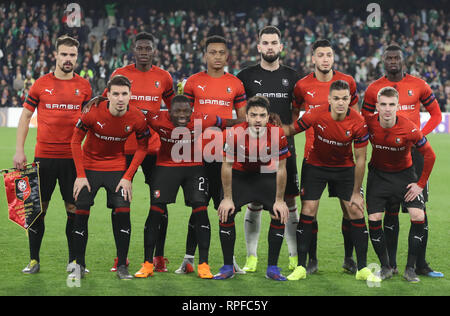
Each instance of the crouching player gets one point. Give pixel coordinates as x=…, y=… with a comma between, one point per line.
x=254, y=170
x=102, y=163
x=392, y=177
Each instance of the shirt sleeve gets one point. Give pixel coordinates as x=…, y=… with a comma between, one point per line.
x=304, y=122
x=369, y=103
x=284, y=146
x=424, y=147
x=189, y=90
x=361, y=138
x=353, y=92
x=431, y=105
x=298, y=96
x=32, y=99
x=240, y=100
x=81, y=128
x=168, y=93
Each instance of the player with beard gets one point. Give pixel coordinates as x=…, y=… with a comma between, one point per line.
x=275, y=81
x=58, y=98
x=312, y=92
x=413, y=92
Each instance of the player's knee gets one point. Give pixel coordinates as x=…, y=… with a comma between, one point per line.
x=416, y=215
x=376, y=216
x=70, y=208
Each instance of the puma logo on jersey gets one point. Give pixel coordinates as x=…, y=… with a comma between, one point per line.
x=321, y=127
x=311, y=93
x=258, y=82
x=203, y=88
x=101, y=125
x=50, y=91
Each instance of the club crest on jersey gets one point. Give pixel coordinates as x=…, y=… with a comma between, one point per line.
x=229, y=90
x=77, y=92
x=127, y=129
x=285, y=82
x=347, y=133
x=410, y=93
x=157, y=194
x=157, y=84
x=398, y=140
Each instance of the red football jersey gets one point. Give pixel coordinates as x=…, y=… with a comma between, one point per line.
x=187, y=138
x=148, y=90
x=252, y=154
x=215, y=96
x=103, y=149
x=392, y=146
x=310, y=93
x=333, y=140
x=58, y=103
x=412, y=92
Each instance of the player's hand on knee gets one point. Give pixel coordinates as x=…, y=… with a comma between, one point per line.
x=281, y=211
x=94, y=101
x=79, y=184
x=126, y=187
x=357, y=202
x=19, y=160
x=413, y=191
x=225, y=209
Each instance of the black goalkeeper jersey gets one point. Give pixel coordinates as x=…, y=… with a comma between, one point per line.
x=277, y=86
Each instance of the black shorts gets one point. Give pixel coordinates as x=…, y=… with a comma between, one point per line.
x=292, y=184
x=388, y=188
x=106, y=179
x=166, y=181
x=214, y=174
x=56, y=169
x=147, y=165
x=254, y=187
x=314, y=179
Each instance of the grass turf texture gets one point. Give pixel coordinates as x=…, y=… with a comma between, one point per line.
x=330, y=280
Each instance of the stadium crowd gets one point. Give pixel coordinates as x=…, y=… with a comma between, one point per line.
x=28, y=34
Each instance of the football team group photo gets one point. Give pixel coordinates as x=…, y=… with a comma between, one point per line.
x=198, y=145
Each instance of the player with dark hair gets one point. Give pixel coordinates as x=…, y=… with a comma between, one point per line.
x=58, y=98
x=413, y=92
x=102, y=163
x=251, y=174
x=311, y=92
x=275, y=81
x=213, y=92
x=331, y=162
x=151, y=86
x=179, y=160
x=392, y=178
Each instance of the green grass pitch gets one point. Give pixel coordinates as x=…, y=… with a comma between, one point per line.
x=330, y=280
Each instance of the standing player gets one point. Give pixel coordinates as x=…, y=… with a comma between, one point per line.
x=276, y=82
x=150, y=86
x=180, y=129
x=413, y=92
x=213, y=92
x=311, y=92
x=254, y=175
x=58, y=98
x=331, y=162
x=102, y=163
x=392, y=177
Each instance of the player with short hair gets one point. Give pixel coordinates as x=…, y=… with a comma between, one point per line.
x=213, y=92
x=151, y=86
x=392, y=178
x=311, y=92
x=102, y=163
x=331, y=162
x=413, y=92
x=275, y=81
x=251, y=174
x=179, y=159
x=58, y=98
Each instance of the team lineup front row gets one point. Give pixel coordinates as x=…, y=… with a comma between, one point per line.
x=236, y=162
